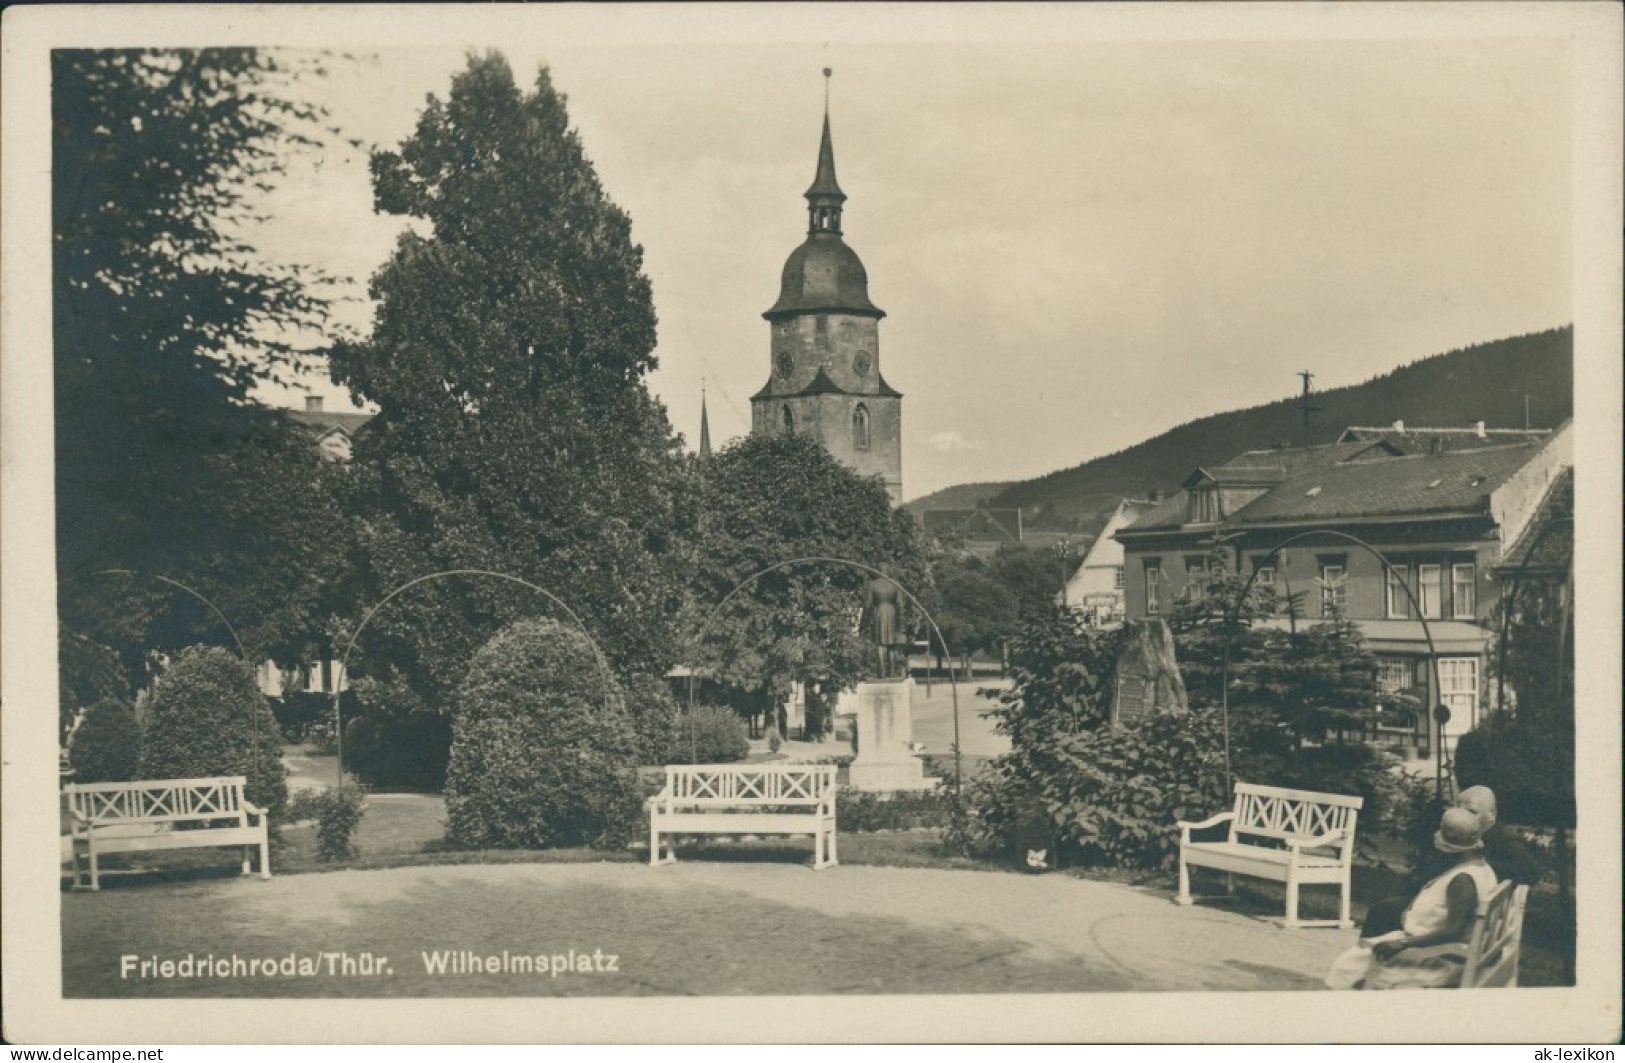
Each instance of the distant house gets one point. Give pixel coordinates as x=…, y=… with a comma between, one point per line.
x=1445, y=519
x=1095, y=590
x=981, y=531
x=333, y=433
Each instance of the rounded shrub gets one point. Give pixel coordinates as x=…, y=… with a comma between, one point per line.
x=207, y=717
x=407, y=752
x=541, y=755
x=107, y=745
x=711, y=734
x=654, y=714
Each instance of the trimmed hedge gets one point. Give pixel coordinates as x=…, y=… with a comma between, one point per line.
x=540, y=756
x=107, y=745
x=712, y=734
x=207, y=718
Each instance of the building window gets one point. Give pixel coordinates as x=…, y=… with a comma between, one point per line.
x=1393, y=674
x=1117, y=578
x=860, y=427
x=1429, y=591
x=1458, y=690
x=789, y=420
x=1399, y=605
x=1204, y=506
x=1153, y=588
x=1263, y=575
x=1334, y=579
x=1463, y=583
x=1196, y=578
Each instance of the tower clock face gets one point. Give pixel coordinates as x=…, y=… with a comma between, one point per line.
x=785, y=362
x=861, y=363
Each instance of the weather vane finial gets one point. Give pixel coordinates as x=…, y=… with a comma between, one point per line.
x=827, y=73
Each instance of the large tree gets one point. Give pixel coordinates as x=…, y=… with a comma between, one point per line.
x=166, y=315
x=775, y=498
x=513, y=333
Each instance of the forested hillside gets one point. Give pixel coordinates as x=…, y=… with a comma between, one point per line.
x=1486, y=382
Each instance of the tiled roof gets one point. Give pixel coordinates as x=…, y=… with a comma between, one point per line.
x=1418, y=484
x=1418, y=439
x=323, y=420
x=1454, y=481
x=980, y=523
x=1292, y=459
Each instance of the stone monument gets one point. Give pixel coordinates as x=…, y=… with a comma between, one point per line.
x=886, y=759
x=1148, y=678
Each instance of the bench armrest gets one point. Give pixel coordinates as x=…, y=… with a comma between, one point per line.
x=660, y=801
x=1329, y=838
x=1186, y=826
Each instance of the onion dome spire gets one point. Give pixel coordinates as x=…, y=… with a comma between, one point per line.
x=825, y=197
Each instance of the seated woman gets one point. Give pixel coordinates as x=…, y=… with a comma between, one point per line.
x=1430, y=946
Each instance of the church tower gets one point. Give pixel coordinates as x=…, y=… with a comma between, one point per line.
x=824, y=377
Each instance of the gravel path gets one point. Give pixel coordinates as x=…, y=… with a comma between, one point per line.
x=691, y=928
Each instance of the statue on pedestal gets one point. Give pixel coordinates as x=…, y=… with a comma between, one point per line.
x=882, y=623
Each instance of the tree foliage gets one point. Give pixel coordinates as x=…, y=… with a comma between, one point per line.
x=515, y=433
x=165, y=317
x=1526, y=752
x=208, y=718
x=542, y=754
x=767, y=499
x=975, y=611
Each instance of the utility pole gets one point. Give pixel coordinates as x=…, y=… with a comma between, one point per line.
x=1304, y=406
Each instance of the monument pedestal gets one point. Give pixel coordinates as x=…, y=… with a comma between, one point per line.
x=886, y=760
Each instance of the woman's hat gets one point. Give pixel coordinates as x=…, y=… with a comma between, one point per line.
x=1460, y=831
x=1480, y=801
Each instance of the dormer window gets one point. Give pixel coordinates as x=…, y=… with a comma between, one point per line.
x=1204, y=506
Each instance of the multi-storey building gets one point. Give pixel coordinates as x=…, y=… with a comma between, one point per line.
x=1439, y=523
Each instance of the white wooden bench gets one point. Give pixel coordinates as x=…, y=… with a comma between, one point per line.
x=1298, y=837
x=746, y=799
x=121, y=817
x=1496, y=940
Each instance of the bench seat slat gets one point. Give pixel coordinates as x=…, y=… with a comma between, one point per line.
x=704, y=823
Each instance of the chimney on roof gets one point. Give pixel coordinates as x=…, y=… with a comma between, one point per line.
x=1154, y=495
x=1399, y=425
x=313, y=404
x=1436, y=445
x=1478, y=429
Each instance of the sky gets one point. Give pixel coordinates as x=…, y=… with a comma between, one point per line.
x=1079, y=243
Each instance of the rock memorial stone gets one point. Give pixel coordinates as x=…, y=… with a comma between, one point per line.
x=1148, y=678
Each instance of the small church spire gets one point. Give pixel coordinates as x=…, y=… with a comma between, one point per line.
x=825, y=197
x=705, y=426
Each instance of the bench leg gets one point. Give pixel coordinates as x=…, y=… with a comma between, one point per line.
x=1344, y=919
x=248, y=860
x=832, y=857
x=95, y=871
x=1184, y=894
x=1291, y=899
x=265, y=858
